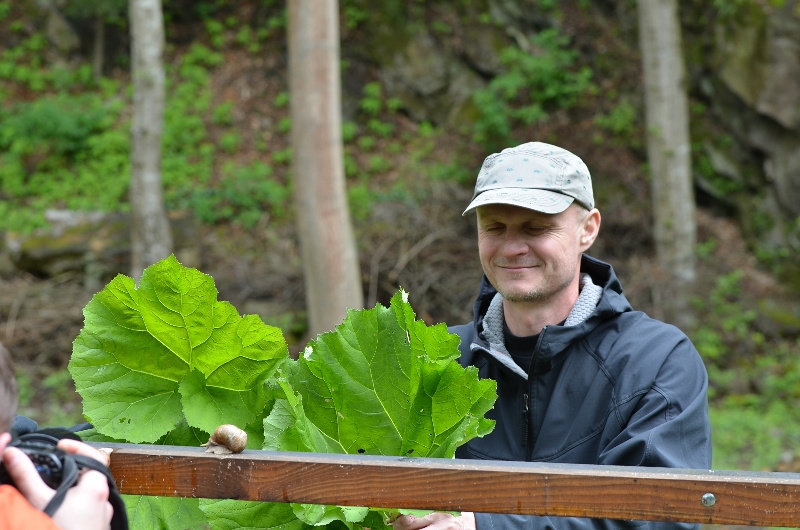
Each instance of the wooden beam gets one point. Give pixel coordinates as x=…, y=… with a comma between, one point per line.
x=612, y=492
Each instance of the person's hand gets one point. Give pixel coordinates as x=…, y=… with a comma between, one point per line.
x=86, y=504
x=436, y=521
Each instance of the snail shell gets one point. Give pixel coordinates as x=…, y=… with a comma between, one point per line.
x=226, y=439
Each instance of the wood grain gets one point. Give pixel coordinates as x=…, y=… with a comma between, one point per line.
x=614, y=492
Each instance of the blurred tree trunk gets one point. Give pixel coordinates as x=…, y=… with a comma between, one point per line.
x=98, y=52
x=330, y=260
x=669, y=155
x=151, y=240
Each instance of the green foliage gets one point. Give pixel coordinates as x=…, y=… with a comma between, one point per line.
x=223, y=114
x=244, y=196
x=757, y=430
x=620, y=121
x=372, y=102
x=532, y=84
x=285, y=125
x=378, y=164
x=349, y=130
x=354, y=15
x=24, y=64
x=282, y=156
x=453, y=171
x=52, y=126
x=281, y=100
x=50, y=149
x=728, y=321
x=732, y=9
x=166, y=362
x=170, y=353
x=230, y=141
x=360, y=200
x=73, y=151
x=381, y=128
x=752, y=385
x=723, y=185
x=112, y=11
x=754, y=434
x=216, y=30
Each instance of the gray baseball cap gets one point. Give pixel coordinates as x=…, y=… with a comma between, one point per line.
x=534, y=175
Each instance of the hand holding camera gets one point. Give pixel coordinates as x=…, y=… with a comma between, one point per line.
x=67, y=479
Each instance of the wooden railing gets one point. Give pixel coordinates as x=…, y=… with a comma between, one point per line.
x=613, y=492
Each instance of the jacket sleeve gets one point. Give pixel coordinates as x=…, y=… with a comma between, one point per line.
x=667, y=423
x=661, y=421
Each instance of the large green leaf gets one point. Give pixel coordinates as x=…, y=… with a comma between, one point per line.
x=163, y=513
x=167, y=352
x=384, y=384
x=247, y=515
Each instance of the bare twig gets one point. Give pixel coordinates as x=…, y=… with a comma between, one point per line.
x=19, y=299
x=412, y=253
x=374, y=271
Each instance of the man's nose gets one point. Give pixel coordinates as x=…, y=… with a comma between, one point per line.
x=514, y=245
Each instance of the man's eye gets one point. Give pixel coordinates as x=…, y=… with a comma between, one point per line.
x=536, y=230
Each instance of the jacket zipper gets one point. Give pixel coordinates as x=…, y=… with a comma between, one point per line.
x=526, y=430
x=525, y=422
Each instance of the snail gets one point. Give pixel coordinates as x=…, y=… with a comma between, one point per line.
x=226, y=439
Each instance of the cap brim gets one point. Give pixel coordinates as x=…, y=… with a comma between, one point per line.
x=544, y=201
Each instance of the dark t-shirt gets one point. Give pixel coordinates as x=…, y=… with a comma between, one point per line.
x=520, y=348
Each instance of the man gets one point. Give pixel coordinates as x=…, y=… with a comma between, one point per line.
x=86, y=504
x=581, y=377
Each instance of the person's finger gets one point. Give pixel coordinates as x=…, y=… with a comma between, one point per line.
x=5, y=438
x=94, y=483
x=411, y=522
x=86, y=505
x=79, y=448
x=407, y=522
x=26, y=478
x=436, y=521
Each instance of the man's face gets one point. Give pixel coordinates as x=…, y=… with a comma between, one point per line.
x=530, y=256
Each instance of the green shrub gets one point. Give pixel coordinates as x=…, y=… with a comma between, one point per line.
x=60, y=151
x=750, y=433
x=243, y=196
x=620, y=121
x=52, y=126
x=531, y=85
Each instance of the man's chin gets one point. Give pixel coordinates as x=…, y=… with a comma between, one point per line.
x=520, y=294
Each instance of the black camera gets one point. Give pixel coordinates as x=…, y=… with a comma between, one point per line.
x=47, y=458
x=61, y=470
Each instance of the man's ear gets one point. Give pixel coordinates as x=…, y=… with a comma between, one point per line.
x=590, y=228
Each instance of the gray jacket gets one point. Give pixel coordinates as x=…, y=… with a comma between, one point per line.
x=611, y=386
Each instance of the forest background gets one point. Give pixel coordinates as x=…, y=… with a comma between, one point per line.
x=429, y=88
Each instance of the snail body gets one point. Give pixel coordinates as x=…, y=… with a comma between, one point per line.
x=226, y=439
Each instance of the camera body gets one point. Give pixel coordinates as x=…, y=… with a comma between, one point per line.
x=47, y=458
